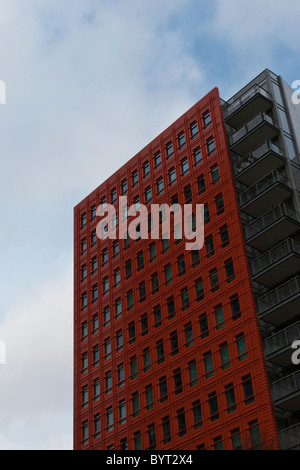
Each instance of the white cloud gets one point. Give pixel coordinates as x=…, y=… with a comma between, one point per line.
x=36, y=381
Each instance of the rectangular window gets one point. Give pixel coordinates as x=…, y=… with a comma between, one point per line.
x=171, y=307
x=160, y=351
x=201, y=184
x=219, y=201
x=224, y=353
x=172, y=176
x=224, y=236
x=142, y=291
x=133, y=368
x=152, y=252
x=194, y=129
x=106, y=315
x=208, y=364
x=235, y=307
x=149, y=397
x=128, y=269
x=169, y=150
x=209, y=244
x=109, y=419
x=168, y=274
x=174, y=343
x=146, y=359
x=160, y=185
x=107, y=348
x=181, y=265
x=199, y=289
x=210, y=144
x=135, y=405
x=151, y=436
x=229, y=269
x=118, y=308
x=85, y=432
x=213, y=406
x=157, y=316
x=96, y=389
x=115, y=248
x=117, y=278
x=119, y=337
x=140, y=261
x=214, y=280
x=84, y=301
x=230, y=398
x=131, y=332
x=219, y=316
x=255, y=435
x=181, y=422
x=84, y=396
x=108, y=382
x=124, y=187
x=144, y=324
x=166, y=429
x=197, y=156
x=163, y=390
x=181, y=140
x=146, y=169
x=154, y=283
x=189, y=337
x=83, y=246
x=241, y=347
x=185, y=302
x=187, y=194
x=84, y=363
x=130, y=300
x=95, y=323
x=248, y=389
x=197, y=414
x=135, y=178
x=84, y=331
x=157, y=160
x=95, y=355
x=236, y=439
x=122, y=412
x=104, y=257
x=148, y=195
x=113, y=195
x=184, y=167
x=215, y=174
x=177, y=381
x=203, y=323
x=165, y=245
x=206, y=119
x=83, y=220
x=218, y=443
x=193, y=374
x=94, y=264
x=137, y=440
x=105, y=285
x=121, y=375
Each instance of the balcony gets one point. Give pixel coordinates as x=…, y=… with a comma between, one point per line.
x=275, y=225
x=278, y=346
x=248, y=105
x=277, y=264
x=253, y=134
x=267, y=192
x=289, y=438
x=281, y=304
x=258, y=163
x=286, y=392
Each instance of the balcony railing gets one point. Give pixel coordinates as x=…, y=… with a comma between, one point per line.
x=254, y=156
x=274, y=255
x=262, y=185
x=279, y=295
x=248, y=95
x=290, y=437
x=282, y=339
x=269, y=218
x=250, y=126
x=287, y=386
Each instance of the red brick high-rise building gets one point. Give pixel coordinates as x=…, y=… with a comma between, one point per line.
x=179, y=349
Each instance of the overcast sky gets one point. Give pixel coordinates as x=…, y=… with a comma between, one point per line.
x=90, y=83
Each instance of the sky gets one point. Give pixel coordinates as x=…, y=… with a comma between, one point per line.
x=88, y=84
